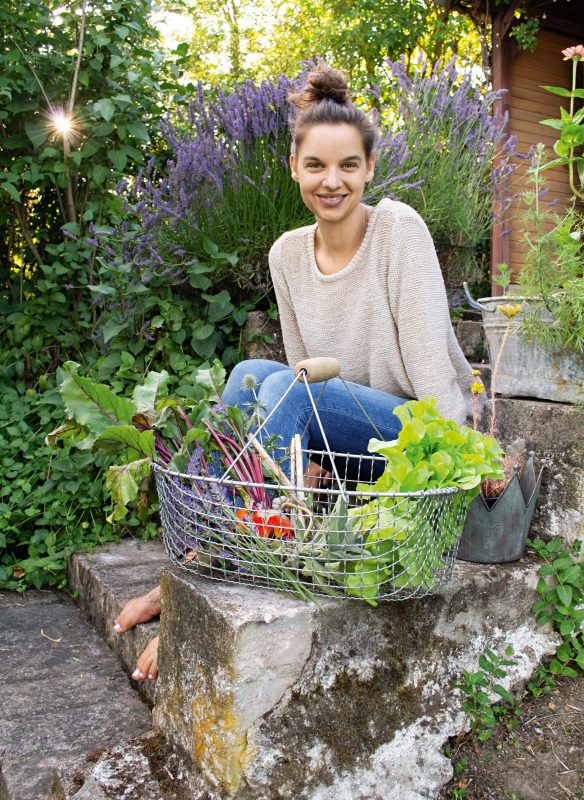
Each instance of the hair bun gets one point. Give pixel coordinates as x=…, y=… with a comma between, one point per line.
x=323, y=83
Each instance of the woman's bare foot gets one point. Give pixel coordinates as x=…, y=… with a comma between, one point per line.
x=139, y=609
x=147, y=666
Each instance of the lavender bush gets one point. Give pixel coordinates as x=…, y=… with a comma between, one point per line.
x=228, y=180
x=459, y=150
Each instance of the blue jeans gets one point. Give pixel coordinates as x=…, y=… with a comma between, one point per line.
x=346, y=427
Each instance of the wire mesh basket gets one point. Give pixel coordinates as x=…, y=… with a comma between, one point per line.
x=344, y=542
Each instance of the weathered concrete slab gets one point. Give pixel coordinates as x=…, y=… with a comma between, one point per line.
x=103, y=581
x=555, y=433
x=61, y=698
x=273, y=698
x=142, y=769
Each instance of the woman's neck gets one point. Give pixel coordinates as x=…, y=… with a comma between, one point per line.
x=335, y=243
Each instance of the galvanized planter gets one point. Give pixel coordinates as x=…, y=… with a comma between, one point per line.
x=495, y=529
x=527, y=368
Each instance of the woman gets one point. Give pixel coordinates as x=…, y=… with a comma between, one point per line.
x=362, y=284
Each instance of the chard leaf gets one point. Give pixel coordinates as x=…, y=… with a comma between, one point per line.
x=145, y=395
x=137, y=444
x=125, y=483
x=71, y=433
x=92, y=405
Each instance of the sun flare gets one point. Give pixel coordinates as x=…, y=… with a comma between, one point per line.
x=63, y=123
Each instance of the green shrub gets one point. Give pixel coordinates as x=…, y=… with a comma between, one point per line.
x=52, y=502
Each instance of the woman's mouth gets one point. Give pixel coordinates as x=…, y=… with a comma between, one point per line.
x=331, y=200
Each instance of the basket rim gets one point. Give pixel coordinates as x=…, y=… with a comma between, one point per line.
x=444, y=491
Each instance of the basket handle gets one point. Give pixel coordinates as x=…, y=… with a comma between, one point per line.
x=315, y=370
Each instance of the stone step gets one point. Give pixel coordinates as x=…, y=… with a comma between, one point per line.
x=271, y=697
x=105, y=580
x=554, y=432
x=63, y=697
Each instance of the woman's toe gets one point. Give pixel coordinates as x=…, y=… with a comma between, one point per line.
x=147, y=666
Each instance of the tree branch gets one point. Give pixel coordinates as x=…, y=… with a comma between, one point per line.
x=26, y=233
x=73, y=90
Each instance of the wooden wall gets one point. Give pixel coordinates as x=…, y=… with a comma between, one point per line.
x=528, y=104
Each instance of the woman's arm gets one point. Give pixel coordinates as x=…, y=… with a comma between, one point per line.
x=293, y=344
x=427, y=342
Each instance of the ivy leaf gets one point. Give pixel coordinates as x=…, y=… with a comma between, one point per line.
x=144, y=396
x=125, y=483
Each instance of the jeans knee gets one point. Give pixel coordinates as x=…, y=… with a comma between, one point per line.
x=275, y=387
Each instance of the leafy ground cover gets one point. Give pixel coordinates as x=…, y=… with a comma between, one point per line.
x=530, y=747
x=539, y=757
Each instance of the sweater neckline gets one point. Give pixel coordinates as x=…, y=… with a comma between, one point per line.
x=353, y=263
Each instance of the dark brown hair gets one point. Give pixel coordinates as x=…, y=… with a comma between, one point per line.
x=325, y=100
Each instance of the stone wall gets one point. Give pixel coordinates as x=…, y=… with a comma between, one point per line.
x=272, y=698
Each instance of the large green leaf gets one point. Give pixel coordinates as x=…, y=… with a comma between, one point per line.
x=93, y=405
x=211, y=378
x=37, y=133
x=138, y=444
x=124, y=483
x=145, y=395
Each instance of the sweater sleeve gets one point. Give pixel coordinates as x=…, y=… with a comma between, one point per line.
x=420, y=309
x=293, y=344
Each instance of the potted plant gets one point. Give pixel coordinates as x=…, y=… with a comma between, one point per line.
x=499, y=517
x=547, y=360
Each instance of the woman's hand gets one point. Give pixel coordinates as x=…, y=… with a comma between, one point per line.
x=316, y=477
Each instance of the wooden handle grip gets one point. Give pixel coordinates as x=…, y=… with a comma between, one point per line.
x=318, y=369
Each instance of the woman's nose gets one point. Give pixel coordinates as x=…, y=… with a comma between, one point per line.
x=332, y=179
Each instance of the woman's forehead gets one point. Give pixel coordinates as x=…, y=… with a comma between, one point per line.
x=332, y=140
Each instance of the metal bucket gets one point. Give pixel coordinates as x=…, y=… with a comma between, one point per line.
x=527, y=368
x=495, y=530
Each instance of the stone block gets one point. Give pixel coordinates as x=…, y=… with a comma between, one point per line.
x=273, y=699
x=555, y=433
x=104, y=580
x=471, y=339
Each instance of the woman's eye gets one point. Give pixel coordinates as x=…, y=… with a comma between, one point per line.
x=314, y=165
x=350, y=165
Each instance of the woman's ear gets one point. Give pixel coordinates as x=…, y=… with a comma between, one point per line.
x=370, y=167
x=293, y=171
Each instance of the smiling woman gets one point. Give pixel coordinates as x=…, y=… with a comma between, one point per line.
x=362, y=285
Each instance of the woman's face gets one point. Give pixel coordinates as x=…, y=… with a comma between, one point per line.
x=331, y=168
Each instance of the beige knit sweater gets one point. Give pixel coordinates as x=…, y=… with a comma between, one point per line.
x=384, y=315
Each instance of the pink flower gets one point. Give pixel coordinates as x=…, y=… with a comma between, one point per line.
x=577, y=51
